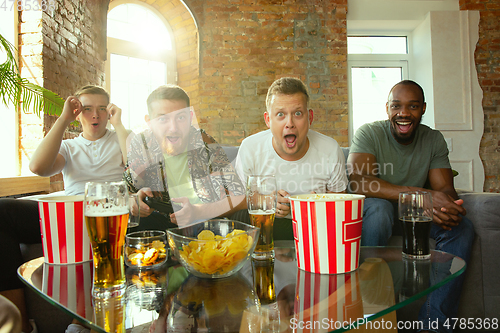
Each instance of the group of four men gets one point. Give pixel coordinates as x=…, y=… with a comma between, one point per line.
x=177, y=162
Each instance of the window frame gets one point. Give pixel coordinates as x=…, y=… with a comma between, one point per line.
x=131, y=49
x=376, y=61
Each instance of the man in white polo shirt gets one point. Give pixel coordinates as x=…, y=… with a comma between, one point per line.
x=94, y=155
x=302, y=160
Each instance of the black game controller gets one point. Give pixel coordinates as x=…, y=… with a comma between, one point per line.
x=162, y=206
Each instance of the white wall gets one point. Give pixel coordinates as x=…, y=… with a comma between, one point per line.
x=421, y=66
x=392, y=15
x=458, y=108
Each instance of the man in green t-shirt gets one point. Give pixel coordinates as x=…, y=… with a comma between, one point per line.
x=176, y=162
x=401, y=154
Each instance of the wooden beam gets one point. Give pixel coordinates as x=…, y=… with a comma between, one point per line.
x=22, y=185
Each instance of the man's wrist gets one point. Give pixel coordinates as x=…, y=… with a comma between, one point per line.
x=118, y=127
x=66, y=122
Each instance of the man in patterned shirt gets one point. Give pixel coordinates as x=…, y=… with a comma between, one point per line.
x=176, y=162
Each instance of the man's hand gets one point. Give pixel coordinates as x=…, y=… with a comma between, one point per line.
x=446, y=210
x=144, y=209
x=283, y=207
x=72, y=108
x=115, y=115
x=186, y=214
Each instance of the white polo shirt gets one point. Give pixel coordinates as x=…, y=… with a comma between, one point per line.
x=97, y=161
x=321, y=169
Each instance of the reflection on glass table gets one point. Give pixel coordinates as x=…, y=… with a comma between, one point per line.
x=272, y=296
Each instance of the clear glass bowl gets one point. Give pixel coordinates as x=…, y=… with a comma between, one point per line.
x=145, y=249
x=221, y=304
x=213, y=258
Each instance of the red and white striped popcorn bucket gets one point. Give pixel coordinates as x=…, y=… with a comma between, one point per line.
x=327, y=231
x=71, y=286
x=333, y=301
x=64, y=233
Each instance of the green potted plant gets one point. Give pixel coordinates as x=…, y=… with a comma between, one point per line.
x=24, y=95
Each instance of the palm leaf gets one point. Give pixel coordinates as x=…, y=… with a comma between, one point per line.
x=24, y=95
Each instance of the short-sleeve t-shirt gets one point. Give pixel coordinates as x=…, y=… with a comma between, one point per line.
x=321, y=169
x=404, y=165
x=91, y=161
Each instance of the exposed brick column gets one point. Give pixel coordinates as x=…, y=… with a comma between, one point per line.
x=31, y=67
x=487, y=57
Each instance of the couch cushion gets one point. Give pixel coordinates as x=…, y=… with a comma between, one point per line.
x=231, y=152
x=345, y=150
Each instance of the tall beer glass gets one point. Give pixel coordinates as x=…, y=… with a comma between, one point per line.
x=261, y=200
x=106, y=210
x=415, y=213
x=263, y=280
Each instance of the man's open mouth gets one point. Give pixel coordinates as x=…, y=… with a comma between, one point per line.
x=95, y=124
x=404, y=126
x=173, y=139
x=290, y=140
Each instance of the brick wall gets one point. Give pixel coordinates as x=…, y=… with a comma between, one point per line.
x=487, y=57
x=232, y=53
x=246, y=45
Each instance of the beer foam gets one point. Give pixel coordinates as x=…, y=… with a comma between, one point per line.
x=262, y=212
x=99, y=211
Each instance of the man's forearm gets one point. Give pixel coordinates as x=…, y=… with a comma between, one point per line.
x=122, y=134
x=44, y=157
x=222, y=208
x=374, y=187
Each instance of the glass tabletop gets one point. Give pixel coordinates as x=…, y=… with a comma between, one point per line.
x=273, y=296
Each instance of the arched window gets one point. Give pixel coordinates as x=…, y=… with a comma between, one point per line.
x=140, y=58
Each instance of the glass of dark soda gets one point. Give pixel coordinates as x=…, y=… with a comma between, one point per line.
x=415, y=214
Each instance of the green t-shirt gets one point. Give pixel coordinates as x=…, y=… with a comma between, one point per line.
x=179, y=179
x=404, y=165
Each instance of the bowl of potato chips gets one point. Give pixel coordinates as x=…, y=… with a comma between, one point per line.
x=145, y=248
x=213, y=248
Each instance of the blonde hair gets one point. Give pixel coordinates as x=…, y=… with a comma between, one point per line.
x=92, y=90
x=286, y=86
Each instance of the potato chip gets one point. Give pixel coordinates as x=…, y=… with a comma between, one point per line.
x=147, y=254
x=206, y=235
x=215, y=254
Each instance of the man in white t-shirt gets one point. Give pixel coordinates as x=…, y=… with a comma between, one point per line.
x=302, y=160
x=95, y=155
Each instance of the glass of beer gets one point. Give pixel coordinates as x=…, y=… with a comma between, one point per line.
x=263, y=280
x=415, y=213
x=261, y=201
x=106, y=210
x=135, y=212
x=109, y=313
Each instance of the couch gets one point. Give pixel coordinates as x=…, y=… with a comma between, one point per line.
x=480, y=293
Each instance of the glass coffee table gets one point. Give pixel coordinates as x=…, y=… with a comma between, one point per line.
x=263, y=296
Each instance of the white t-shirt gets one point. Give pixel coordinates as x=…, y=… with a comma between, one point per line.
x=322, y=168
x=99, y=161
